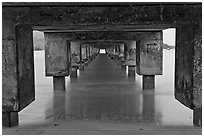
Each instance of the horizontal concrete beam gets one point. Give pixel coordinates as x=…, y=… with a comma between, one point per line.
x=51, y=4
x=77, y=18
x=78, y=28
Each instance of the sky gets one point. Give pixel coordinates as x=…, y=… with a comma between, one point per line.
x=169, y=36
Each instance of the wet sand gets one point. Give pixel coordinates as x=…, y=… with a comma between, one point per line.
x=103, y=100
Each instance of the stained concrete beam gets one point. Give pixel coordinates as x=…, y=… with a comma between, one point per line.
x=56, y=55
x=149, y=53
x=129, y=14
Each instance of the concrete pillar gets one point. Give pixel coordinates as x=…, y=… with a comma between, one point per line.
x=10, y=119
x=59, y=83
x=73, y=72
x=149, y=57
x=188, y=68
x=75, y=53
x=87, y=52
x=125, y=53
x=57, y=55
x=57, y=59
x=18, y=87
x=148, y=106
x=131, y=71
x=81, y=67
x=123, y=66
x=121, y=55
x=148, y=81
x=130, y=53
x=197, y=116
x=84, y=55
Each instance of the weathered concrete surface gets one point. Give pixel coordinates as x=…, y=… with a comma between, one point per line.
x=130, y=53
x=56, y=55
x=10, y=119
x=75, y=53
x=132, y=14
x=73, y=72
x=25, y=65
x=148, y=82
x=121, y=53
x=18, y=69
x=59, y=83
x=87, y=52
x=149, y=53
x=10, y=75
x=131, y=71
x=188, y=71
x=148, y=107
x=197, y=116
x=83, y=49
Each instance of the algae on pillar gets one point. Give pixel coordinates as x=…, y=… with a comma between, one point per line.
x=149, y=57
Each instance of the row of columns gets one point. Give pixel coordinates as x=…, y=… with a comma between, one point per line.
x=64, y=58
x=144, y=54
x=18, y=65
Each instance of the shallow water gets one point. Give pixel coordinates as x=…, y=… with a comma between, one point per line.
x=103, y=92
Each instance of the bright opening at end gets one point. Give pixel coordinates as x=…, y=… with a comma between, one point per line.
x=169, y=36
x=102, y=51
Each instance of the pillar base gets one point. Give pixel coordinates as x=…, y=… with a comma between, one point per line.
x=73, y=72
x=148, y=82
x=197, y=117
x=10, y=119
x=131, y=71
x=58, y=82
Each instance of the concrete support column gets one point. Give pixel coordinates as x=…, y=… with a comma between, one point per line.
x=84, y=56
x=131, y=71
x=18, y=84
x=188, y=68
x=149, y=57
x=81, y=67
x=75, y=58
x=197, y=116
x=123, y=66
x=59, y=83
x=57, y=59
x=87, y=52
x=73, y=72
x=10, y=119
x=148, y=81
